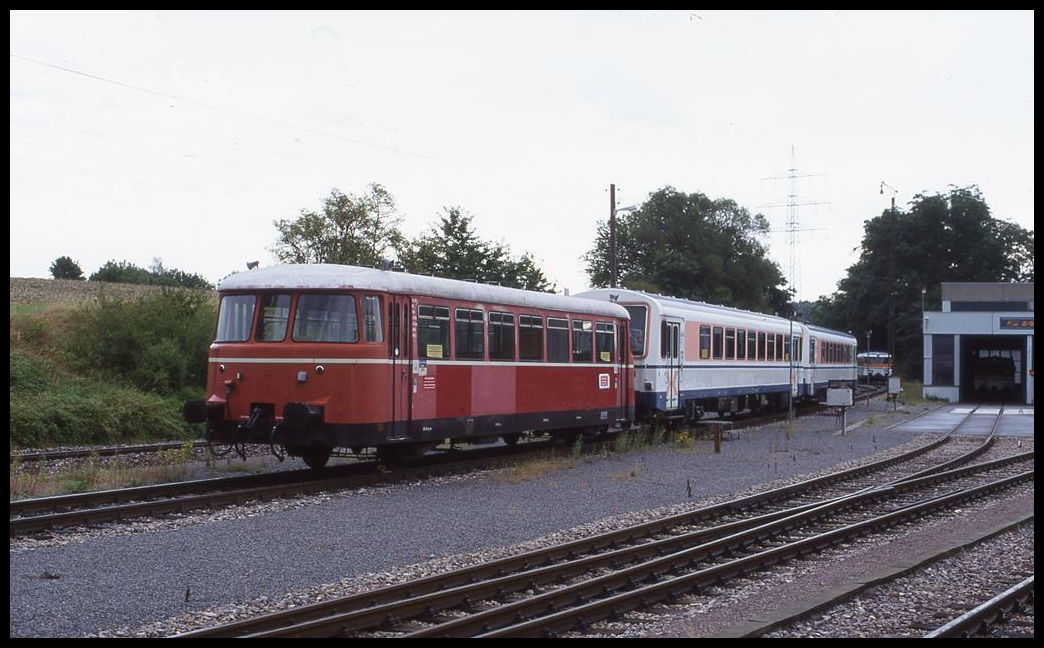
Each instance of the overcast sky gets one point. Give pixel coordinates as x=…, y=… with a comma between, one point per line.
x=184, y=135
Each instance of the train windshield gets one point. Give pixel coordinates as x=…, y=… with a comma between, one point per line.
x=638, y=316
x=235, y=318
x=326, y=318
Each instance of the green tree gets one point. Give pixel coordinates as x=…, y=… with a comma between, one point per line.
x=942, y=238
x=690, y=246
x=452, y=249
x=65, y=268
x=353, y=230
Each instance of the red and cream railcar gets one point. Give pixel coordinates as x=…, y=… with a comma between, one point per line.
x=317, y=357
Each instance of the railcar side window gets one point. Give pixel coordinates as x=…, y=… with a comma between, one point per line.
x=582, y=342
x=730, y=344
x=326, y=318
x=705, y=342
x=812, y=357
x=275, y=315
x=373, y=330
x=433, y=332
x=468, y=329
x=741, y=344
x=718, y=341
x=752, y=345
x=557, y=340
x=501, y=336
x=762, y=346
x=638, y=315
x=604, y=342
x=782, y=348
x=770, y=347
x=235, y=317
x=530, y=337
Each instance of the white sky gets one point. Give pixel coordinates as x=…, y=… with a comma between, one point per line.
x=184, y=135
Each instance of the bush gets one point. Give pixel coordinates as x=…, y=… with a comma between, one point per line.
x=157, y=342
x=48, y=407
x=65, y=268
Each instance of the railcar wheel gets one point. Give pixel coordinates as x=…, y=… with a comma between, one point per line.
x=316, y=458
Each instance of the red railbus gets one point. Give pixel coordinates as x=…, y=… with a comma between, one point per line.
x=316, y=358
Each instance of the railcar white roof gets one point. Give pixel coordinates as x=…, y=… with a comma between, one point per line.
x=325, y=276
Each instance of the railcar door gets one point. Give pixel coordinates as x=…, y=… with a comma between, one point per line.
x=670, y=343
x=401, y=376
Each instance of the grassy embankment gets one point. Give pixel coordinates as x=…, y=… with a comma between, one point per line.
x=95, y=365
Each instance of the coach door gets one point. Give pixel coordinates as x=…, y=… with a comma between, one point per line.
x=670, y=345
x=399, y=350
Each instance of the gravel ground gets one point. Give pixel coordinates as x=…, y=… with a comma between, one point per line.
x=160, y=578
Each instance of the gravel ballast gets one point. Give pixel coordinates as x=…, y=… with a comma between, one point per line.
x=112, y=581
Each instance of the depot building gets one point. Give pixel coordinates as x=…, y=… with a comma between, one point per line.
x=979, y=348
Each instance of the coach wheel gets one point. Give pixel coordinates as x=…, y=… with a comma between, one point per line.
x=316, y=458
x=510, y=439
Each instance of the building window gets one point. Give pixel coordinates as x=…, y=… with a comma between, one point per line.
x=942, y=360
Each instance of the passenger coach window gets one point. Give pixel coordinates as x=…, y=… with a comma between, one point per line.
x=235, y=318
x=638, y=315
x=730, y=344
x=604, y=342
x=741, y=344
x=275, y=314
x=770, y=347
x=530, y=337
x=501, y=336
x=468, y=329
x=582, y=343
x=557, y=340
x=433, y=332
x=752, y=345
x=373, y=331
x=719, y=334
x=326, y=318
x=705, y=342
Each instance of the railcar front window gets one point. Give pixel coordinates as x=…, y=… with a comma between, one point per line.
x=638, y=315
x=373, y=328
x=275, y=315
x=235, y=317
x=326, y=318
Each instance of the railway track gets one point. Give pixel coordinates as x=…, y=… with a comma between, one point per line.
x=655, y=543
x=990, y=618
x=39, y=514
x=104, y=451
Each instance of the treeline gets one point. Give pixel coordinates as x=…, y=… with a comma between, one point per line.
x=364, y=231
x=125, y=272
